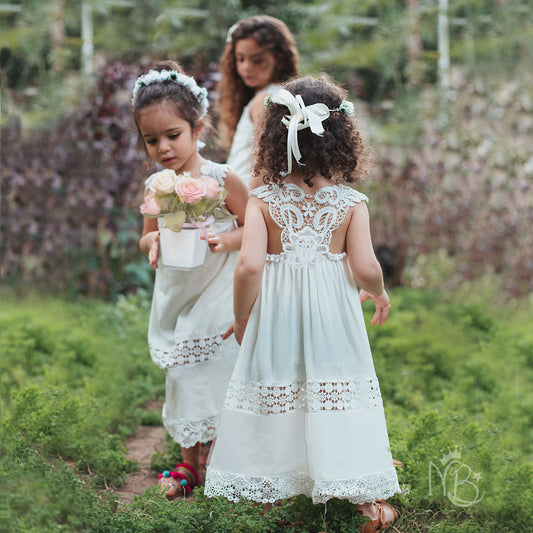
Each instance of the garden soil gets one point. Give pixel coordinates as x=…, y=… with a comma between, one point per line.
x=146, y=441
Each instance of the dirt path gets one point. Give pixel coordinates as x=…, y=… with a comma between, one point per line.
x=141, y=446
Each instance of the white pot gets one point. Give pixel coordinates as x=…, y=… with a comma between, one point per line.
x=183, y=250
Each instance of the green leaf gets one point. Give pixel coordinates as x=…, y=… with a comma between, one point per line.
x=165, y=201
x=198, y=209
x=174, y=221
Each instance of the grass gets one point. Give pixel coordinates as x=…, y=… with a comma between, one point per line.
x=455, y=377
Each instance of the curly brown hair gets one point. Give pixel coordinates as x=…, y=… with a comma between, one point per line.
x=232, y=94
x=340, y=154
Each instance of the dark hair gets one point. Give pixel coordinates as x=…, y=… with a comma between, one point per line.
x=177, y=96
x=232, y=93
x=339, y=154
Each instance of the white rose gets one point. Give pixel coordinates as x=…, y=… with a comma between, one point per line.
x=162, y=182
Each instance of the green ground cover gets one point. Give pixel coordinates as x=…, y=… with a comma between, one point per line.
x=455, y=377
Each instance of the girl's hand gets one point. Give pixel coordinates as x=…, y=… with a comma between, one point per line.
x=382, y=305
x=237, y=330
x=215, y=241
x=228, y=333
x=151, y=243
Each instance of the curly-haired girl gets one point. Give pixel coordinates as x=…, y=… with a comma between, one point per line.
x=303, y=412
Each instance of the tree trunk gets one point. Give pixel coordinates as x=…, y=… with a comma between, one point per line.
x=57, y=34
x=414, y=42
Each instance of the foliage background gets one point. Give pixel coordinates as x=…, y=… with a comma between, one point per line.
x=451, y=206
x=76, y=376
x=451, y=190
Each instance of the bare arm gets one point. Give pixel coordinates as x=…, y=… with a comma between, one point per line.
x=249, y=269
x=236, y=201
x=364, y=264
x=257, y=110
x=149, y=241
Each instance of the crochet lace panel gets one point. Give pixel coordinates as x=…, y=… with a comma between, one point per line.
x=307, y=220
x=187, y=352
x=367, y=488
x=217, y=171
x=189, y=432
x=277, y=398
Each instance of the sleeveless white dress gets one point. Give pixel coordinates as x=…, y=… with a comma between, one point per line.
x=191, y=309
x=240, y=156
x=303, y=412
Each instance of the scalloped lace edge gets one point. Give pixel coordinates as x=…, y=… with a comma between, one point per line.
x=367, y=488
x=189, y=432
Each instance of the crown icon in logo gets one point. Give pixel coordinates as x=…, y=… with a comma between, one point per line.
x=446, y=458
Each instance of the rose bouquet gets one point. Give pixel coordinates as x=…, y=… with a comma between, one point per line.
x=185, y=201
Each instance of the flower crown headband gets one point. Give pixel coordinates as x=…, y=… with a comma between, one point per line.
x=229, y=35
x=156, y=76
x=301, y=117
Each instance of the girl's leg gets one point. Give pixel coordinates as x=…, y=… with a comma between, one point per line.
x=190, y=456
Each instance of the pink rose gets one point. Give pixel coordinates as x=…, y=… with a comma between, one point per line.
x=150, y=206
x=190, y=190
x=211, y=186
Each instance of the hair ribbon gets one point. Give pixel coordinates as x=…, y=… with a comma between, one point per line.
x=300, y=117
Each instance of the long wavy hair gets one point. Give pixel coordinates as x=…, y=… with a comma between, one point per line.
x=340, y=154
x=232, y=94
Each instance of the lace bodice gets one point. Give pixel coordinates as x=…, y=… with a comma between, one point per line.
x=307, y=221
x=216, y=171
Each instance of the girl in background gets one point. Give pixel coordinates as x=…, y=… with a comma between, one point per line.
x=191, y=309
x=303, y=412
x=260, y=53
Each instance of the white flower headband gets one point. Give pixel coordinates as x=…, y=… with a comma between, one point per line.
x=229, y=35
x=301, y=117
x=156, y=76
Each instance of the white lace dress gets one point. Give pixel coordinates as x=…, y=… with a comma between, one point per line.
x=191, y=309
x=240, y=156
x=303, y=412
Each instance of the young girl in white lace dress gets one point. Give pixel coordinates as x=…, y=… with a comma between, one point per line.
x=260, y=53
x=191, y=309
x=303, y=412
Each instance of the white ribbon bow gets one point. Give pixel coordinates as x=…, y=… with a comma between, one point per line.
x=301, y=117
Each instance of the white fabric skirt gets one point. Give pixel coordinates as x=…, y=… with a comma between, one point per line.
x=303, y=413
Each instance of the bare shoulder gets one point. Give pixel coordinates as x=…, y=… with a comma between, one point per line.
x=232, y=181
x=257, y=106
x=359, y=210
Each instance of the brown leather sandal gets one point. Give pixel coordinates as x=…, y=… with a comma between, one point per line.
x=381, y=523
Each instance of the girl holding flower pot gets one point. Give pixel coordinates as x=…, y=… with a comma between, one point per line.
x=191, y=309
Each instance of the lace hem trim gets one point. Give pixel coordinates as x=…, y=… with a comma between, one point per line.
x=367, y=488
x=187, y=352
x=189, y=432
x=315, y=396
